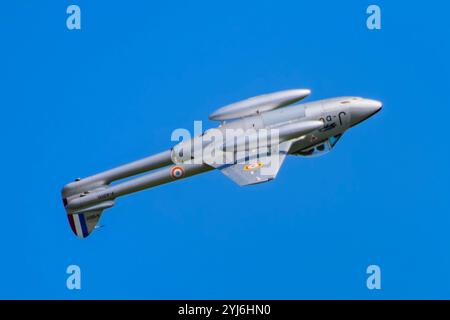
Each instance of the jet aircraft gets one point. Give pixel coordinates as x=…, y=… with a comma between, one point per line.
x=264, y=130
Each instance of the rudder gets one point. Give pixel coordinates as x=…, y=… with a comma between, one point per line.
x=82, y=224
x=83, y=221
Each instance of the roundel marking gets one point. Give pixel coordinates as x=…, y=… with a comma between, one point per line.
x=177, y=172
x=253, y=166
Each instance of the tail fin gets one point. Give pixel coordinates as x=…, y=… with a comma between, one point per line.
x=82, y=224
x=83, y=221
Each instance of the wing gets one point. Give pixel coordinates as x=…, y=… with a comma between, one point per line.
x=257, y=169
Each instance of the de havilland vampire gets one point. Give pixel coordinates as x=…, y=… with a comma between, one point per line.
x=307, y=129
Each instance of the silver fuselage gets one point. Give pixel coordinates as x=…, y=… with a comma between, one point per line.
x=337, y=115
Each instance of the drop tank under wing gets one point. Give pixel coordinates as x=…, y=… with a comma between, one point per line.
x=259, y=104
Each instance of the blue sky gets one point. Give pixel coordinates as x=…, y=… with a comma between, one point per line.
x=76, y=103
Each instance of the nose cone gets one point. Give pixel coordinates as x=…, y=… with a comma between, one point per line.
x=363, y=110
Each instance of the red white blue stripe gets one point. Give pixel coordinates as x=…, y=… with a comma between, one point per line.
x=78, y=224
